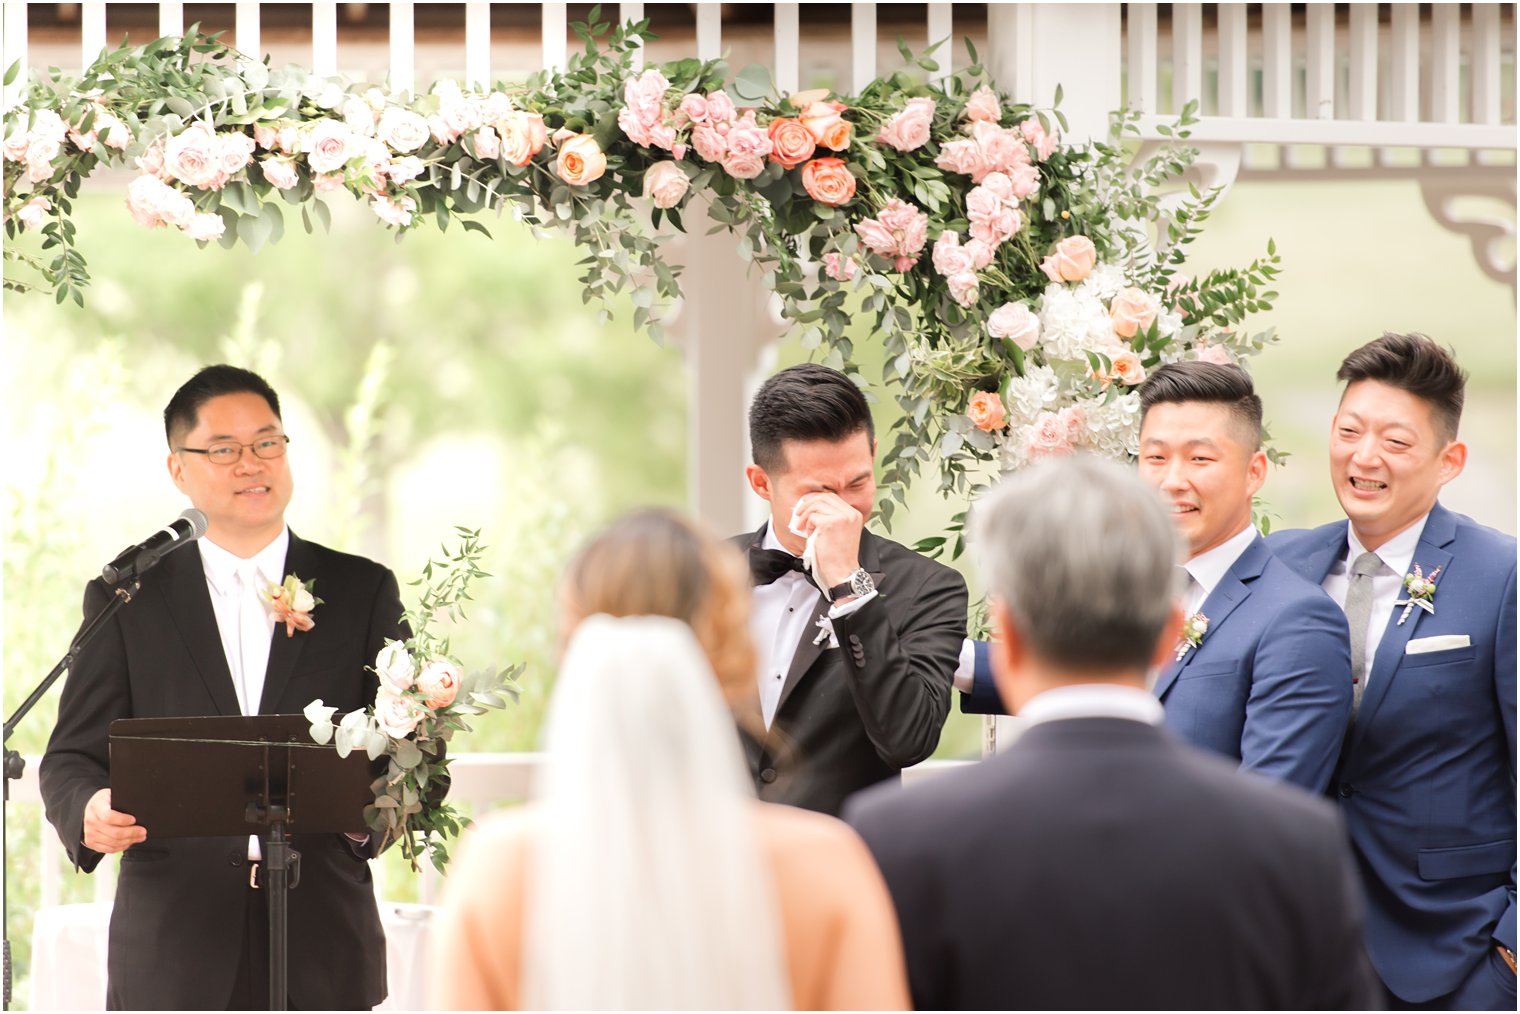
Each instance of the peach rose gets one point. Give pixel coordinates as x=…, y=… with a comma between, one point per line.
x=193, y=156
x=986, y=411
x=1133, y=310
x=666, y=184
x=908, y=129
x=397, y=716
x=792, y=143
x=1127, y=369
x=487, y=144
x=523, y=135
x=1072, y=260
x=438, y=682
x=1016, y=323
x=580, y=160
x=828, y=181
x=983, y=106
x=824, y=122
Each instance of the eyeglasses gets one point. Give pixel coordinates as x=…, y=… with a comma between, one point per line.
x=230, y=452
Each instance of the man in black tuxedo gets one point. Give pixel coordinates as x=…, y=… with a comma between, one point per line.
x=189, y=926
x=858, y=637
x=1103, y=863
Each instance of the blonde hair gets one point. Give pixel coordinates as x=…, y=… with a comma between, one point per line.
x=657, y=563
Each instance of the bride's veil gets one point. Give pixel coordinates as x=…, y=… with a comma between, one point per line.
x=648, y=887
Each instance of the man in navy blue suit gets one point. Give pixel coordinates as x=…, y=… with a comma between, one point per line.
x=1265, y=677
x=1427, y=777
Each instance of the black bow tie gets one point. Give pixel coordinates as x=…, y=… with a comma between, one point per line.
x=766, y=565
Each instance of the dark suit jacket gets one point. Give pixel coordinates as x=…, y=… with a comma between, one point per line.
x=1270, y=685
x=177, y=926
x=858, y=714
x=1427, y=778
x=1102, y=864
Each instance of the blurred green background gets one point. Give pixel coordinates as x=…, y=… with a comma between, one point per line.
x=449, y=379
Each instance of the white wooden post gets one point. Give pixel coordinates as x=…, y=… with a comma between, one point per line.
x=862, y=46
x=477, y=44
x=788, y=43
x=1319, y=89
x=1187, y=55
x=1277, y=60
x=246, y=30
x=555, y=26
x=633, y=12
x=324, y=39
x=92, y=33
x=1364, y=62
x=1234, y=61
x=1142, y=57
x=1404, y=79
x=939, y=30
x=403, y=65
x=14, y=51
x=171, y=19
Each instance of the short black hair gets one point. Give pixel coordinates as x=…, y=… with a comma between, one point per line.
x=1215, y=383
x=1413, y=363
x=183, y=410
x=805, y=402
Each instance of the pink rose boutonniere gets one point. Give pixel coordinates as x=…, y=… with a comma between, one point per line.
x=1422, y=592
x=292, y=603
x=1193, y=629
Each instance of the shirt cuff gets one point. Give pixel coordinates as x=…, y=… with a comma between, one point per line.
x=967, y=667
x=835, y=612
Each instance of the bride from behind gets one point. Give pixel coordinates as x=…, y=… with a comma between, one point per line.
x=645, y=874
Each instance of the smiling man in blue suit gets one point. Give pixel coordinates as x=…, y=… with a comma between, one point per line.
x=1268, y=681
x=1427, y=777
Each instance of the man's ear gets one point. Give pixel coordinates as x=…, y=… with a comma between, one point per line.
x=1171, y=630
x=177, y=472
x=1453, y=460
x=758, y=481
x=1007, y=654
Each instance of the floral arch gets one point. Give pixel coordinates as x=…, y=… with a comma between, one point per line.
x=1022, y=287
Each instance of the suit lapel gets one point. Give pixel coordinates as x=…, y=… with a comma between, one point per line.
x=189, y=604
x=284, y=651
x=1430, y=553
x=1232, y=590
x=807, y=650
x=1330, y=546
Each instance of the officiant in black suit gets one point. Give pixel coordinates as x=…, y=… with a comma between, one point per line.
x=858, y=637
x=189, y=928
x=1102, y=863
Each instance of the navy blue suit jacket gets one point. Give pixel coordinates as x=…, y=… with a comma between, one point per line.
x=1269, y=686
x=1427, y=778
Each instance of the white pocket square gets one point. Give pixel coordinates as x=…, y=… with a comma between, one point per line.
x=1444, y=642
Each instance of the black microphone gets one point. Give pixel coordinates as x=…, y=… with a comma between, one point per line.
x=138, y=560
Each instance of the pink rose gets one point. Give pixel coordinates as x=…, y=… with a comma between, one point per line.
x=33, y=214
x=711, y=146
x=1016, y=323
x=395, y=667
x=460, y=114
x=839, y=267
x=1213, y=354
x=983, y=106
x=998, y=185
x=140, y=201
x=898, y=233
x=171, y=206
x=693, y=109
x=963, y=157
x=1133, y=310
x=908, y=129
x=644, y=97
x=39, y=159
x=264, y=136
x=828, y=181
x=84, y=142
x=357, y=114
x=327, y=146
x=828, y=127
x=964, y=288
x=288, y=139
x=16, y=144
x=996, y=228
x=405, y=169
x=580, y=160
x=1053, y=434
x=666, y=184
x=720, y=108
x=152, y=160
x=193, y=157
x=950, y=258
x=538, y=134
x=662, y=135
x=438, y=683
x=792, y=144
x=324, y=183
x=1072, y=260
x=487, y=144
x=280, y=172
x=394, y=211
x=396, y=715
x=986, y=411
x=517, y=138
x=237, y=152
x=205, y=227
x=495, y=107
x=115, y=133
x=743, y=165
x=402, y=129
x=981, y=254
x=1034, y=133
x=1026, y=181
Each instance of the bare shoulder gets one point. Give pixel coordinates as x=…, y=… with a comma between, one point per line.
x=499, y=836
x=819, y=853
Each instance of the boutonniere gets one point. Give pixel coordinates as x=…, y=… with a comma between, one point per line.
x=292, y=603
x=1422, y=591
x=826, y=634
x=1193, y=629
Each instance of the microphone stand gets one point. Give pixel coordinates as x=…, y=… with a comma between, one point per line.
x=14, y=764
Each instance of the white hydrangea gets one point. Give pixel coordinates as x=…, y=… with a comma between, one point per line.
x=1039, y=390
x=1104, y=282
x=1113, y=427
x=1071, y=322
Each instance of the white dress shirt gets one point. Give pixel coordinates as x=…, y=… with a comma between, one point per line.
x=243, y=620
x=1208, y=568
x=1398, y=559
x=779, y=616
x=1092, y=700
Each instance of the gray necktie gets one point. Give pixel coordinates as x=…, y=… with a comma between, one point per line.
x=1358, y=614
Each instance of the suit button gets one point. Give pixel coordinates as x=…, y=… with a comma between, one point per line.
x=1346, y=791
x=768, y=775
x=855, y=640
x=234, y=859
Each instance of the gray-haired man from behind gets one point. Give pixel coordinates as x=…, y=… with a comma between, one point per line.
x=1102, y=862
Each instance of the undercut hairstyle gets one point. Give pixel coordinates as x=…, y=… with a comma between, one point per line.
x=1082, y=553
x=183, y=410
x=1211, y=383
x=805, y=402
x=1413, y=363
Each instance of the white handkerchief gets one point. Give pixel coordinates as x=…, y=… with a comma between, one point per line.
x=809, y=552
x=1445, y=642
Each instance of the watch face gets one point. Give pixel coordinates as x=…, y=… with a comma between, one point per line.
x=861, y=583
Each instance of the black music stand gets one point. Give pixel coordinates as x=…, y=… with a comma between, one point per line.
x=235, y=775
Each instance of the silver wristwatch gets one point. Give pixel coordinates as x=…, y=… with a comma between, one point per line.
x=856, y=585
